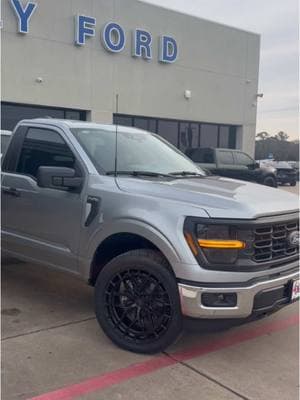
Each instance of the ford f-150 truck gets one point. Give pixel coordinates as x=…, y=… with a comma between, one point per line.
x=134, y=217
x=233, y=164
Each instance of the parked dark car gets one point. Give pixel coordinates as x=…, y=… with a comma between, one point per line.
x=285, y=173
x=232, y=164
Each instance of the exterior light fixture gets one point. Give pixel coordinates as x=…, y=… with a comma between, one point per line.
x=187, y=94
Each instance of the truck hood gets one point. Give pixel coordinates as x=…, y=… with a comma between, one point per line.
x=219, y=197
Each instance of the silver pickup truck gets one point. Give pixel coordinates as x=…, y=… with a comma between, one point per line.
x=159, y=240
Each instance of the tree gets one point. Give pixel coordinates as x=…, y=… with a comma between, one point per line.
x=263, y=135
x=282, y=136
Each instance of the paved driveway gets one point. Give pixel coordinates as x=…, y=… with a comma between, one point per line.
x=53, y=349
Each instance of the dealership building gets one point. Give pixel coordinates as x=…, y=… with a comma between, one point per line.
x=190, y=80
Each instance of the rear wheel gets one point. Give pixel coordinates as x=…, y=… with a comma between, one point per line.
x=137, y=302
x=293, y=183
x=270, y=181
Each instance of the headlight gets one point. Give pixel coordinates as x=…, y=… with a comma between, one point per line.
x=215, y=243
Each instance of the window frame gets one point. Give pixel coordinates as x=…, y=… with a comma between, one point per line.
x=17, y=147
x=236, y=153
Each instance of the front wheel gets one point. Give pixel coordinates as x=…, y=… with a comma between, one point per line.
x=137, y=302
x=294, y=183
x=270, y=181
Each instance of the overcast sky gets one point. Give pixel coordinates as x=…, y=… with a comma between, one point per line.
x=277, y=22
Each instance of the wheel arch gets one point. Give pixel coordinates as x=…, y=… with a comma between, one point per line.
x=120, y=243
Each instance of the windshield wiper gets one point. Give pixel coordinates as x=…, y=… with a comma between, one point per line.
x=186, y=173
x=139, y=173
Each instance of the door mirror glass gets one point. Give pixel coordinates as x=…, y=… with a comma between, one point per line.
x=60, y=178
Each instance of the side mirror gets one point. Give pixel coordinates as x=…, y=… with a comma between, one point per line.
x=58, y=178
x=253, y=166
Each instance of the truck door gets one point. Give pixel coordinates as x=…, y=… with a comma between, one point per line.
x=245, y=166
x=39, y=223
x=226, y=163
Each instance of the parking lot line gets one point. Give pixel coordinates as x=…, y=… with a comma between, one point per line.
x=124, y=374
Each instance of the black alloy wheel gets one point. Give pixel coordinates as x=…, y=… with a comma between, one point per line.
x=137, y=302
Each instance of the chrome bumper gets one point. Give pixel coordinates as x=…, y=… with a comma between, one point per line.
x=191, y=305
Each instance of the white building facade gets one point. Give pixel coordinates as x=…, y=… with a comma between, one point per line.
x=190, y=80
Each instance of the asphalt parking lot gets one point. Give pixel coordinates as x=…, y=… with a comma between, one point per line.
x=53, y=349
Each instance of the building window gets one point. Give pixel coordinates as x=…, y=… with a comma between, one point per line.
x=209, y=135
x=224, y=137
x=168, y=130
x=188, y=135
x=123, y=120
x=185, y=135
x=232, y=137
x=12, y=113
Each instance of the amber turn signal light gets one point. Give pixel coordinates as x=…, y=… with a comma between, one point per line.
x=221, y=244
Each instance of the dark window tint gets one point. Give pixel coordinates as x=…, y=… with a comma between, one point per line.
x=140, y=123
x=209, y=135
x=226, y=157
x=75, y=115
x=232, y=137
x=224, y=137
x=184, y=134
x=243, y=159
x=123, y=120
x=152, y=125
x=188, y=135
x=12, y=113
x=205, y=156
x=43, y=147
x=169, y=131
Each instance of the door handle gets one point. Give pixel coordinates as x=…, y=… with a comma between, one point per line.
x=11, y=192
x=95, y=207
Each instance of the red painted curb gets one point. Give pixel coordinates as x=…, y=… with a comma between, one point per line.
x=124, y=374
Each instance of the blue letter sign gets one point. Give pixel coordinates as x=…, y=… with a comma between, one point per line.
x=113, y=37
x=23, y=14
x=141, y=46
x=168, y=50
x=84, y=27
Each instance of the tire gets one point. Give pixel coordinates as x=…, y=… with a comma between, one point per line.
x=137, y=302
x=270, y=181
x=293, y=183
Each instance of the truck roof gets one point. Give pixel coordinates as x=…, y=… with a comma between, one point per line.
x=73, y=123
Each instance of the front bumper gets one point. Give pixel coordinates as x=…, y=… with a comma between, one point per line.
x=191, y=297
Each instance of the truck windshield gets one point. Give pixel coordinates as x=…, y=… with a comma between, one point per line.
x=137, y=151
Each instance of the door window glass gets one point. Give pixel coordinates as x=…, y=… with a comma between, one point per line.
x=205, y=156
x=226, y=157
x=43, y=147
x=243, y=159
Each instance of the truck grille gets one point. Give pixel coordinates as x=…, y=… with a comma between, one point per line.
x=271, y=241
